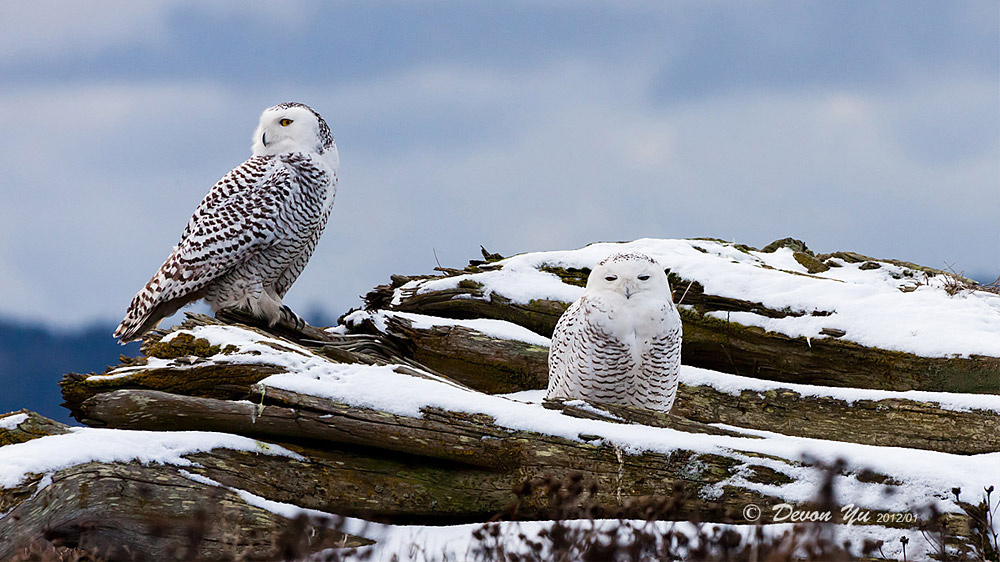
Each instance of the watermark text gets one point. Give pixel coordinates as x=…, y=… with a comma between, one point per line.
x=848, y=515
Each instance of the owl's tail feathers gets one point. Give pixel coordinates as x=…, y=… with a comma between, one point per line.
x=148, y=308
x=132, y=329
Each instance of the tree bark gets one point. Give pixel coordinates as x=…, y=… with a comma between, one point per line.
x=390, y=467
x=32, y=427
x=499, y=365
x=132, y=512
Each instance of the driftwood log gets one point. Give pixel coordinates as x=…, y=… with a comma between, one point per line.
x=447, y=466
x=128, y=511
x=442, y=467
x=400, y=458
x=713, y=343
x=500, y=365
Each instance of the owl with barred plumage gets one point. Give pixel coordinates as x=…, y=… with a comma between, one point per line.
x=254, y=232
x=621, y=341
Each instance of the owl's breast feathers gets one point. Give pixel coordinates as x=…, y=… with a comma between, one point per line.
x=607, y=351
x=635, y=324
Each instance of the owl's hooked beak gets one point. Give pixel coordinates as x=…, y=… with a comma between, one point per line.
x=630, y=289
x=263, y=138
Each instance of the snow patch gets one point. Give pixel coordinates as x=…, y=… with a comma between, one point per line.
x=52, y=453
x=734, y=385
x=11, y=422
x=499, y=329
x=866, y=303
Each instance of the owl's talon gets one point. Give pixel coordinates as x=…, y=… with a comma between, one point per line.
x=292, y=319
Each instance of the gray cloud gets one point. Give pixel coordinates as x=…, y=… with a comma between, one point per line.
x=548, y=144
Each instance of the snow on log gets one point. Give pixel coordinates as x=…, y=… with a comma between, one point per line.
x=860, y=322
x=878, y=377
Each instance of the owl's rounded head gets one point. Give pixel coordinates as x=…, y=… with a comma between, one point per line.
x=292, y=127
x=631, y=275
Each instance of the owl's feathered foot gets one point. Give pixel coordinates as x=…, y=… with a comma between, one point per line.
x=289, y=324
x=236, y=315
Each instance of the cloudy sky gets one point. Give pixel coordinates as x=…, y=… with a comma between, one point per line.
x=866, y=126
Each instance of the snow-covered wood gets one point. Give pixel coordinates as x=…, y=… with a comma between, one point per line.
x=757, y=313
x=426, y=407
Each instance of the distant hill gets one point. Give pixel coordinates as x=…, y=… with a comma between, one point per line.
x=33, y=358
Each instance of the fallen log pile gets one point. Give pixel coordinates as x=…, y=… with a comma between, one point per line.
x=409, y=413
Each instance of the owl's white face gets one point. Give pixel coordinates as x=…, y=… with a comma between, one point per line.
x=634, y=277
x=289, y=128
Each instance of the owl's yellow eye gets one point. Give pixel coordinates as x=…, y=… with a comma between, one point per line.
x=285, y=122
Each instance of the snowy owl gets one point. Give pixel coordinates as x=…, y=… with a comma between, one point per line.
x=253, y=233
x=621, y=341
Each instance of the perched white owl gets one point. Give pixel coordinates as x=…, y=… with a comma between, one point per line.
x=254, y=232
x=621, y=341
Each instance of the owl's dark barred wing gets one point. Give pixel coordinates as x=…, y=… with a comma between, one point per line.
x=237, y=218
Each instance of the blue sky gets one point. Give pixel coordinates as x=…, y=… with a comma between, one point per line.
x=522, y=126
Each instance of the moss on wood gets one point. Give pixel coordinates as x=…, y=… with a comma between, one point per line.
x=33, y=427
x=569, y=275
x=185, y=345
x=215, y=380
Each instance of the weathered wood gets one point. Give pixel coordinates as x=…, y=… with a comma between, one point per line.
x=749, y=351
x=215, y=380
x=729, y=347
x=481, y=457
x=513, y=366
x=465, y=438
x=32, y=427
x=128, y=512
x=888, y=423
x=482, y=362
x=468, y=301
x=366, y=483
x=621, y=413
x=447, y=466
